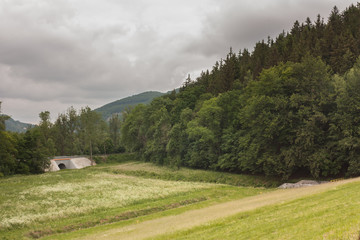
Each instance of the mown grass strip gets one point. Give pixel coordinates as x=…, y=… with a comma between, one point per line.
x=35, y=234
x=200, y=216
x=331, y=215
x=219, y=194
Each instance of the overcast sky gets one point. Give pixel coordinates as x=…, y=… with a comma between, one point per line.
x=60, y=53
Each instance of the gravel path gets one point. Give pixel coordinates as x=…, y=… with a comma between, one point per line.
x=202, y=216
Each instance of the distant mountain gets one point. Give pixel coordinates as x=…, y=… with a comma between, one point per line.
x=120, y=105
x=12, y=125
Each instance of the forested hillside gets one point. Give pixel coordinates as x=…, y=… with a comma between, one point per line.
x=117, y=107
x=289, y=106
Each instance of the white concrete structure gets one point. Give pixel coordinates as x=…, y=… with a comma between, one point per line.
x=59, y=163
x=302, y=183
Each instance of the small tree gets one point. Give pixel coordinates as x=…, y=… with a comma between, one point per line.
x=114, y=130
x=91, y=128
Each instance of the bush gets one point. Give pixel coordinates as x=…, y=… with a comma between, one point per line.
x=115, y=158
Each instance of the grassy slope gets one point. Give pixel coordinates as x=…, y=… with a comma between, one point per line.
x=333, y=214
x=194, y=209
x=64, y=201
x=328, y=211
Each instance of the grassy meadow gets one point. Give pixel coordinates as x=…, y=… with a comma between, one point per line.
x=333, y=214
x=134, y=200
x=36, y=206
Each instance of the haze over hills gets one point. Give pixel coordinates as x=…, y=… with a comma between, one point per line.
x=12, y=125
x=119, y=105
x=106, y=111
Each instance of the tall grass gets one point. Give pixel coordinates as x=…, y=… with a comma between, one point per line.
x=58, y=202
x=59, y=195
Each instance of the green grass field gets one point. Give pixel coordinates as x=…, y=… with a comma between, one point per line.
x=334, y=214
x=136, y=200
x=43, y=205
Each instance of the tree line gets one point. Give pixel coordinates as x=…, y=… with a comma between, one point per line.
x=336, y=42
x=73, y=133
x=289, y=107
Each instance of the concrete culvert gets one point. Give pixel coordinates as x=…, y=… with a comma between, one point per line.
x=64, y=162
x=62, y=166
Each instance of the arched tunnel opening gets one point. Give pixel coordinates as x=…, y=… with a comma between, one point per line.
x=62, y=166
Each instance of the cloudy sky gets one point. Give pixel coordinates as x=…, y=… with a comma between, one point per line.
x=61, y=53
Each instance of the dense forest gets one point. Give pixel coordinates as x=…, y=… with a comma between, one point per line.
x=291, y=106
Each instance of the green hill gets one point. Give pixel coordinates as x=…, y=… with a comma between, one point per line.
x=120, y=105
x=17, y=126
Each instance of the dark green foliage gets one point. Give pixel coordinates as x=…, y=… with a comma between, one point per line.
x=204, y=132
x=158, y=120
x=72, y=134
x=275, y=111
x=277, y=125
x=7, y=149
x=337, y=43
x=132, y=131
x=284, y=120
x=45, y=138
x=115, y=158
x=7, y=154
x=64, y=133
x=24, y=153
x=114, y=131
x=32, y=155
x=91, y=130
x=346, y=121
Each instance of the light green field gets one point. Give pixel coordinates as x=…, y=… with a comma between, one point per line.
x=330, y=214
x=328, y=211
x=136, y=200
x=61, y=202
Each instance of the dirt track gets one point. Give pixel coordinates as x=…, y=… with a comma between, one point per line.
x=198, y=217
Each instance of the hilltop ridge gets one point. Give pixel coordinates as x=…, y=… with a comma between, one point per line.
x=119, y=105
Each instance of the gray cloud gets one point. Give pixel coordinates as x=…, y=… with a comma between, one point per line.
x=54, y=54
x=239, y=24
